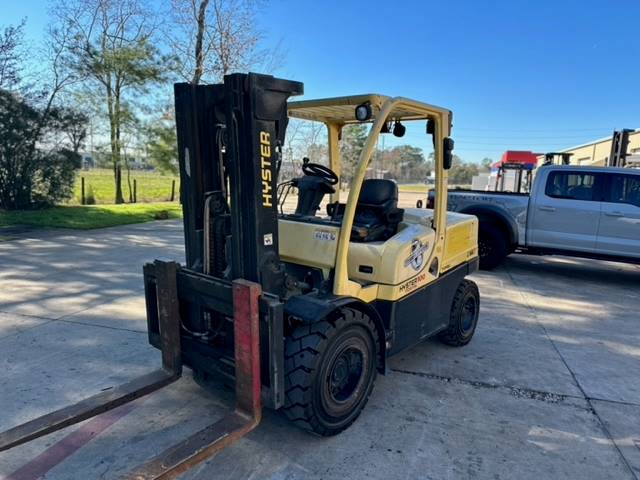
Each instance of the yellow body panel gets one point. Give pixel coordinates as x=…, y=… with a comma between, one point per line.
x=398, y=266
x=461, y=242
x=308, y=244
x=394, y=261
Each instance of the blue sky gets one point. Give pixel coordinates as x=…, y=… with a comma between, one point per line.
x=517, y=74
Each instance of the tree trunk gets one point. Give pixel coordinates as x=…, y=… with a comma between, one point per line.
x=119, y=197
x=128, y=167
x=115, y=145
x=202, y=11
x=118, y=119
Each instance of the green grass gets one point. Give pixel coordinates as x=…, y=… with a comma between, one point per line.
x=91, y=216
x=413, y=187
x=151, y=186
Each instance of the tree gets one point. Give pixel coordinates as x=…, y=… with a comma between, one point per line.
x=74, y=125
x=304, y=138
x=486, y=163
x=353, y=140
x=35, y=169
x=10, y=66
x=461, y=173
x=162, y=143
x=211, y=38
x=31, y=177
x=113, y=50
x=404, y=163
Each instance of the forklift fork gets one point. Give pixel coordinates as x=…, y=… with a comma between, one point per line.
x=205, y=443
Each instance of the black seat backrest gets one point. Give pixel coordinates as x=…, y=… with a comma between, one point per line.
x=378, y=193
x=377, y=214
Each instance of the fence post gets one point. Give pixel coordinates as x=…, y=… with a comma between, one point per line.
x=82, y=197
x=173, y=189
x=135, y=191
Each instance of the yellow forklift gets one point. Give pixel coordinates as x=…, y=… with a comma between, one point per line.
x=301, y=310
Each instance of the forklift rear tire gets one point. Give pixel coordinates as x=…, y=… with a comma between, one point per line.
x=492, y=246
x=463, y=318
x=330, y=369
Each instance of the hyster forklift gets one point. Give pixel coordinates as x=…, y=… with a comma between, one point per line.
x=300, y=309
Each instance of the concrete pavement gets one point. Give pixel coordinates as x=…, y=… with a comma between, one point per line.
x=548, y=388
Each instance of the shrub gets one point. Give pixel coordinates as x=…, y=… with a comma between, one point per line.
x=161, y=215
x=31, y=177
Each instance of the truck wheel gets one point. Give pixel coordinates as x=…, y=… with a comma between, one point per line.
x=464, y=315
x=492, y=246
x=330, y=369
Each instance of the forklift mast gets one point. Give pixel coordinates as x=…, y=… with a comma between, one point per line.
x=229, y=142
x=619, y=145
x=557, y=158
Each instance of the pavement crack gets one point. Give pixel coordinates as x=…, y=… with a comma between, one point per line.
x=27, y=315
x=19, y=330
x=87, y=324
x=615, y=402
x=518, y=392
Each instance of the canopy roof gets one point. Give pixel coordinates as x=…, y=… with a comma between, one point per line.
x=341, y=110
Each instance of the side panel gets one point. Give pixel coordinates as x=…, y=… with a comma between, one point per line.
x=311, y=244
x=566, y=211
x=461, y=242
x=508, y=208
x=619, y=228
x=395, y=260
x=423, y=313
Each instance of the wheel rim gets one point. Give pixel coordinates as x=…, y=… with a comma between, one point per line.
x=345, y=374
x=345, y=378
x=468, y=313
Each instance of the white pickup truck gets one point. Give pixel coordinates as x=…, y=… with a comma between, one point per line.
x=589, y=212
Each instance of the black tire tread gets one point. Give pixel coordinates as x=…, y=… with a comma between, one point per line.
x=451, y=335
x=302, y=350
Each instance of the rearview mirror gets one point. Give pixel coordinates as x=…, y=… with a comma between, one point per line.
x=431, y=127
x=447, y=153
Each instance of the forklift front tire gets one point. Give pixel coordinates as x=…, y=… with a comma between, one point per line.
x=330, y=369
x=463, y=318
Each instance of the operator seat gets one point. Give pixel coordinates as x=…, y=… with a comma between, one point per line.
x=377, y=213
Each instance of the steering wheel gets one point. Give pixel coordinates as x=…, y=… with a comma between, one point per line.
x=317, y=170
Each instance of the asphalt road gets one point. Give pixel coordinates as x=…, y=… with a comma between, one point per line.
x=548, y=388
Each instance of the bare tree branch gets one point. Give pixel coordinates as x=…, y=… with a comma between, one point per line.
x=211, y=38
x=11, y=39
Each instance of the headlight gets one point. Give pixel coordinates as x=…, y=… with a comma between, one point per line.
x=363, y=112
